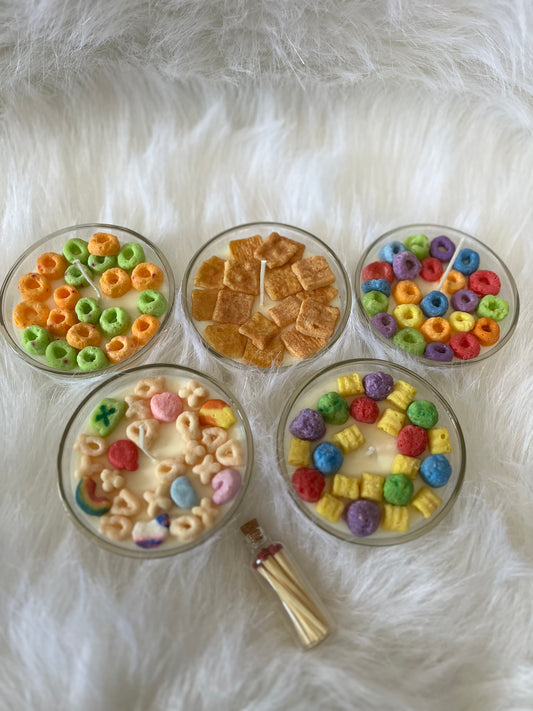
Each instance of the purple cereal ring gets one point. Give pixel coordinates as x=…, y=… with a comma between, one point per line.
x=438, y=351
x=406, y=265
x=386, y=324
x=442, y=248
x=362, y=517
x=378, y=385
x=309, y=425
x=226, y=484
x=465, y=300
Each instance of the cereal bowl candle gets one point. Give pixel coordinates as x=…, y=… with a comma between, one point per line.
x=437, y=293
x=155, y=460
x=267, y=295
x=86, y=299
x=371, y=452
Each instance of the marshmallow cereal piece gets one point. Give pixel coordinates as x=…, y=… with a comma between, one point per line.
x=188, y=425
x=116, y=528
x=193, y=393
x=87, y=499
x=166, y=406
x=158, y=500
x=230, y=454
x=111, y=479
x=217, y=413
x=183, y=494
x=126, y=503
x=207, y=468
x=151, y=432
x=166, y=470
x=91, y=445
x=226, y=483
x=150, y=534
x=213, y=437
x=138, y=408
x=148, y=387
x=207, y=512
x=186, y=528
x=194, y=452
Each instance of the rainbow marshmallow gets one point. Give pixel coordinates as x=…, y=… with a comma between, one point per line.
x=88, y=501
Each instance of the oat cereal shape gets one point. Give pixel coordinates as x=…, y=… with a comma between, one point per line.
x=193, y=393
x=116, y=528
x=91, y=445
x=188, y=425
x=213, y=438
x=207, y=468
x=186, y=528
x=166, y=470
x=158, y=500
x=126, y=503
x=111, y=479
x=138, y=408
x=207, y=512
x=230, y=454
x=150, y=386
x=194, y=452
x=88, y=466
x=151, y=432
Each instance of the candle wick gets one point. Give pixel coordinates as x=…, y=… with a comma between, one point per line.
x=262, y=282
x=87, y=277
x=141, y=443
x=370, y=451
x=450, y=265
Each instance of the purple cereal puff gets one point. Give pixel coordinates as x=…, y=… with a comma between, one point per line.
x=442, y=248
x=406, y=265
x=438, y=351
x=465, y=300
x=309, y=425
x=362, y=517
x=386, y=324
x=378, y=385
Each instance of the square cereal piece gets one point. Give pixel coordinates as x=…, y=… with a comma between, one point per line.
x=350, y=385
x=313, y=272
x=346, y=487
x=316, y=319
x=232, y=307
x=402, y=464
x=402, y=395
x=391, y=421
x=426, y=501
x=277, y=250
x=242, y=250
x=299, y=453
x=242, y=276
x=300, y=249
x=286, y=311
x=372, y=486
x=439, y=441
x=269, y=357
x=325, y=294
x=210, y=274
x=395, y=518
x=260, y=330
x=202, y=303
x=329, y=508
x=348, y=439
x=280, y=283
x=300, y=346
x=226, y=339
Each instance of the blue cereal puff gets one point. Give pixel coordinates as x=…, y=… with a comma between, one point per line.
x=327, y=458
x=183, y=494
x=467, y=262
x=435, y=470
x=434, y=304
x=376, y=285
x=390, y=250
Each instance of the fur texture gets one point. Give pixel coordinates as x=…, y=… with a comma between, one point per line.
x=180, y=119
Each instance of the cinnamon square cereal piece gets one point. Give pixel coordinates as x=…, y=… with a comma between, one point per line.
x=325, y=294
x=226, y=339
x=280, y=283
x=242, y=276
x=232, y=307
x=202, y=303
x=313, y=272
x=269, y=357
x=277, y=250
x=301, y=346
x=210, y=273
x=316, y=319
x=259, y=329
x=286, y=311
x=242, y=250
x=300, y=249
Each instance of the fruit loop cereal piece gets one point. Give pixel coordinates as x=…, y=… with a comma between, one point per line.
x=183, y=494
x=123, y=454
x=151, y=534
x=213, y=438
x=131, y=254
x=466, y=262
x=376, y=285
x=349, y=439
x=402, y=394
x=431, y=269
x=410, y=340
x=91, y=358
x=402, y=464
x=493, y=307
x=395, y=518
x=107, y=415
x=144, y=328
x=111, y=479
x=438, y=351
x=166, y=470
x=115, y=321
x=372, y=486
x=406, y=266
x=51, y=265
x=91, y=445
x=461, y=322
x=350, y=385
x=60, y=355
x=406, y=291
x=103, y=244
x=333, y=408
x=385, y=323
x=423, y=413
x=146, y=276
x=126, y=503
x=442, y=248
x=76, y=248
x=418, y=245
x=59, y=321
x=115, y=283
x=327, y=458
x=152, y=302
x=207, y=468
x=166, y=406
x=487, y=331
x=30, y=313
x=346, y=487
x=116, y=528
x=426, y=502
x=194, y=452
x=434, y=304
x=119, y=348
x=186, y=528
x=34, y=340
x=188, y=425
x=484, y=283
x=308, y=483
x=391, y=422
x=374, y=302
x=398, y=489
x=308, y=425
x=435, y=470
x=363, y=517
x=66, y=297
x=378, y=270
x=408, y=316
x=230, y=454
x=329, y=508
x=81, y=335
x=378, y=385
x=88, y=310
x=227, y=484
x=364, y=409
x=389, y=251
x=439, y=441
x=158, y=500
x=412, y=440
x=464, y=300
x=465, y=346
x=75, y=276
x=151, y=429
x=34, y=287
x=99, y=265
x=87, y=499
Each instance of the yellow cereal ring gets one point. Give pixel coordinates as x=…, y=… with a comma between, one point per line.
x=81, y=335
x=102, y=244
x=66, y=297
x=34, y=287
x=147, y=276
x=408, y=316
x=487, y=331
x=454, y=282
x=119, y=348
x=30, y=313
x=144, y=328
x=461, y=322
x=115, y=282
x=51, y=265
x=60, y=320
x=406, y=292
x=436, y=330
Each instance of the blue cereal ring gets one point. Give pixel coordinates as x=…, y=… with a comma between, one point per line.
x=390, y=250
x=376, y=285
x=435, y=470
x=327, y=458
x=466, y=262
x=434, y=304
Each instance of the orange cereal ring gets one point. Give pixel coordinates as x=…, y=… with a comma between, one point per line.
x=454, y=282
x=487, y=331
x=406, y=292
x=60, y=320
x=34, y=287
x=436, y=330
x=81, y=335
x=51, y=265
x=144, y=328
x=115, y=282
x=103, y=244
x=119, y=348
x=30, y=313
x=147, y=276
x=66, y=297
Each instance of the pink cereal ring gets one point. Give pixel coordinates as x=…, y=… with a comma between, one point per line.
x=166, y=406
x=226, y=483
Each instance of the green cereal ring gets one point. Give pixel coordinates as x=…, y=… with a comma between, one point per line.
x=92, y=358
x=88, y=310
x=34, y=340
x=76, y=249
x=60, y=355
x=115, y=321
x=492, y=307
x=152, y=302
x=418, y=245
x=410, y=340
x=374, y=302
x=423, y=413
x=101, y=264
x=106, y=415
x=398, y=489
x=74, y=276
x=130, y=255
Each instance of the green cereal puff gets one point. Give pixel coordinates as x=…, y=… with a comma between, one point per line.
x=88, y=310
x=35, y=339
x=60, y=355
x=398, y=489
x=333, y=408
x=115, y=321
x=374, y=302
x=76, y=248
x=101, y=264
x=418, y=245
x=107, y=415
x=92, y=358
x=151, y=302
x=75, y=277
x=423, y=413
x=130, y=256
x=410, y=340
x=492, y=307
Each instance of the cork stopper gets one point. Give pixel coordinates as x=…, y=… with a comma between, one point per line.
x=252, y=530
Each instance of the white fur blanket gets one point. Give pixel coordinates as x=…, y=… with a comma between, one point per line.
x=180, y=119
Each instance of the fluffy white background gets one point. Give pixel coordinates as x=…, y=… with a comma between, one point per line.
x=180, y=119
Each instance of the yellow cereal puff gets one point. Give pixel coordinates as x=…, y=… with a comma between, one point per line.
x=345, y=486
x=299, y=453
x=350, y=385
x=439, y=441
x=348, y=439
x=329, y=508
x=372, y=486
x=402, y=395
x=391, y=422
x=402, y=464
x=426, y=501
x=395, y=518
